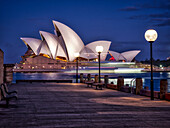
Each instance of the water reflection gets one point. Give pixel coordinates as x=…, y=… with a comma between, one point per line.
x=112, y=77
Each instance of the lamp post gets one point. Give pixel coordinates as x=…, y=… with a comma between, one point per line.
x=76, y=55
x=151, y=35
x=99, y=49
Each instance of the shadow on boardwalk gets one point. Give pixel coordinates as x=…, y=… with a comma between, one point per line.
x=74, y=105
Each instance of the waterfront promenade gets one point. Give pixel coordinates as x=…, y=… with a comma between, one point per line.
x=50, y=105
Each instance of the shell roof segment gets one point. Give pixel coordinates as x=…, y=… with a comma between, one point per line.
x=116, y=55
x=130, y=55
x=105, y=44
x=87, y=53
x=73, y=43
x=33, y=43
x=52, y=42
x=44, y=49
x=127, y=56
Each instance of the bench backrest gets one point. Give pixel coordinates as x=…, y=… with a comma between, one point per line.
x=0, y=94
x=5, y=87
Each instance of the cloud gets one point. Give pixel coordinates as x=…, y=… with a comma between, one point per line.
x=151, y=4
x=159, y=4
x=159, y=20
x=162, y=15
x=132, y=8
x=138, y=17
x=152, y=16
x=162, y=22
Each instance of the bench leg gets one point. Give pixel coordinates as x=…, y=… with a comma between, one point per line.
x=7, y=103
x=88, y=85
x=100, y=87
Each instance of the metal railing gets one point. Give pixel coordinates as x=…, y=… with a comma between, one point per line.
x=132, y=84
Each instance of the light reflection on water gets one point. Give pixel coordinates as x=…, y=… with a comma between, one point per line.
x=157, y=76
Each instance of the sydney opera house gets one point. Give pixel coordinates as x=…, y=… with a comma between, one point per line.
x=57, y=51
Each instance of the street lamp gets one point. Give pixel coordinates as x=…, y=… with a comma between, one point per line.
x=99, y=49
x=151, y=35
x=76, y=55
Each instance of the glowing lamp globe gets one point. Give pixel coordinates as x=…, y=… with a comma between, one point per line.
x=99, y=49
x=151, y=35
x=76, y=54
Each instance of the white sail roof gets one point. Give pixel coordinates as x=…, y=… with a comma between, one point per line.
x=33, y=43
x=130, y=55
x=127, y=56
x=73, y=43
x=105, y=44
x=87, y=53
x=44, y=49
x=60, y=52
x=52, y=42
x=116, y=55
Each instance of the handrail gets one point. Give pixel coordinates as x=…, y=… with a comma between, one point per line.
x=132, y=83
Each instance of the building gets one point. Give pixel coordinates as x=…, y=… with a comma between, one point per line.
x=57, y=51
x=63, y=45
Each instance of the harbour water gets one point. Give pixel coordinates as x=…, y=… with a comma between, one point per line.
x=128, y=77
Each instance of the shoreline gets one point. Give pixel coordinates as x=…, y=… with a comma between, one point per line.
x=58, y=71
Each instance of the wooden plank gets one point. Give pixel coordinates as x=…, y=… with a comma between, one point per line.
x=44, y=81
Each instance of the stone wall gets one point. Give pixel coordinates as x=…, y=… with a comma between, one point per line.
x=8, y=73
x=1, y=66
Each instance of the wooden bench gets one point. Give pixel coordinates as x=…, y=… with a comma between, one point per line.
x=112, y=86
x=89, y=84
x=98, y=85
x=125, y=89
x=167, y=96
x=6, y=89
x=6, y=97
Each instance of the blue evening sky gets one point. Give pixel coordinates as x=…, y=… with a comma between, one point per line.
x=123, y=22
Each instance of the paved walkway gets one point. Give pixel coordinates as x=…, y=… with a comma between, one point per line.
x=52, y=105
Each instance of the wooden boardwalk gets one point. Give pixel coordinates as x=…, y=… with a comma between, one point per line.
x=50, y=105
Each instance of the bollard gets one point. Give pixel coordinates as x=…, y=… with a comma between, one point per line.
x=106, y=80
x=120, y=82
x=88, y=77
x=1, y=66
x=81, y=77
x=139, y=85
x=96, y=79
x=146, y=87
x=163, y=88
